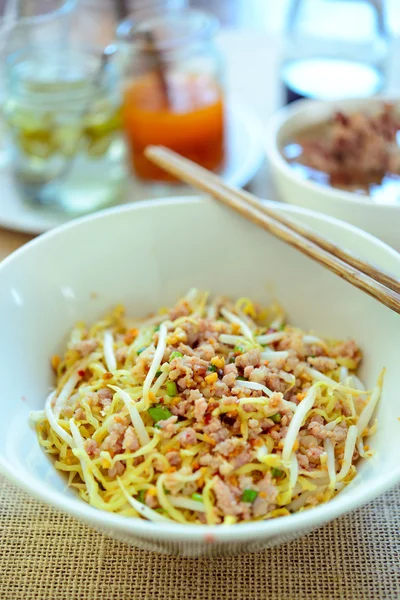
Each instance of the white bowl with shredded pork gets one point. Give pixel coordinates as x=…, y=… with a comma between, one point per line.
x=379, y=215
x=182, y=381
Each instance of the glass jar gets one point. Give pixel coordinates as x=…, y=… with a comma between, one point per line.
x=34, y=24
x=335, y=49
x=41, y=24
x=173, y=94
x=63, y=116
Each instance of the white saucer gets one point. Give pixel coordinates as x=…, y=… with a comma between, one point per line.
x=244, y=156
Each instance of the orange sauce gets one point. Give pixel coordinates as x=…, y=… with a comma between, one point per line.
x=188, y=119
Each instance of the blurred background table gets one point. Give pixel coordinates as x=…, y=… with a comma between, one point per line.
x=251, y=39
x=255, y=87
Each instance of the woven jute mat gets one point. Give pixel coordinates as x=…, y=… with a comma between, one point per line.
x=45, y=555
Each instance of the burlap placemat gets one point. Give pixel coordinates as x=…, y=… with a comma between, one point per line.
x=45, y=555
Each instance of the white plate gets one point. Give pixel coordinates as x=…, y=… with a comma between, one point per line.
x=244, y=156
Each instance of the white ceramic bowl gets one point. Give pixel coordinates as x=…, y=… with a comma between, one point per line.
x=145, y=255
x=382, y=220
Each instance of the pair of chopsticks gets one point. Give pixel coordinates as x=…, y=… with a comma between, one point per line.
x=369, y=278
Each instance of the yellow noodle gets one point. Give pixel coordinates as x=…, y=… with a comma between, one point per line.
x=94, y=457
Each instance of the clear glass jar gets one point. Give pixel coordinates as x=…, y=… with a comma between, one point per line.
x=335, y=49
x=35, y=25
x=173, y=92
x=41, y=24
x=63, y=117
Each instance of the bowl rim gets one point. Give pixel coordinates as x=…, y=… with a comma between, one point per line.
x=177, y=532
x=280, y=118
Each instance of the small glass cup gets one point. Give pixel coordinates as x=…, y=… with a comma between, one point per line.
x=335, y=49
x=173, y=92
x=32, y=24
x=41, y=24
x=62, y=112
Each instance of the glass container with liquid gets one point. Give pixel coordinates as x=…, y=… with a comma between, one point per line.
x=334, y=49
x=63, y=115
x=173, y=91
x=30, y=24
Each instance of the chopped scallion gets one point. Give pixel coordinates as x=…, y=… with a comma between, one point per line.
x=276, y=473
x=276, y=418
x=249, y=495
x=197, y=497
x=172, y=390
x=159, y=413
x=175, y=354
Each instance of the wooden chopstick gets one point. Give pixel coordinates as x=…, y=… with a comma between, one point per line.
x=121, y=9
x=382, y=286
x=158, y=65
x=368, y=268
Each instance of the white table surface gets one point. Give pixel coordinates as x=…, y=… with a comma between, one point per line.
x=252, y=68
